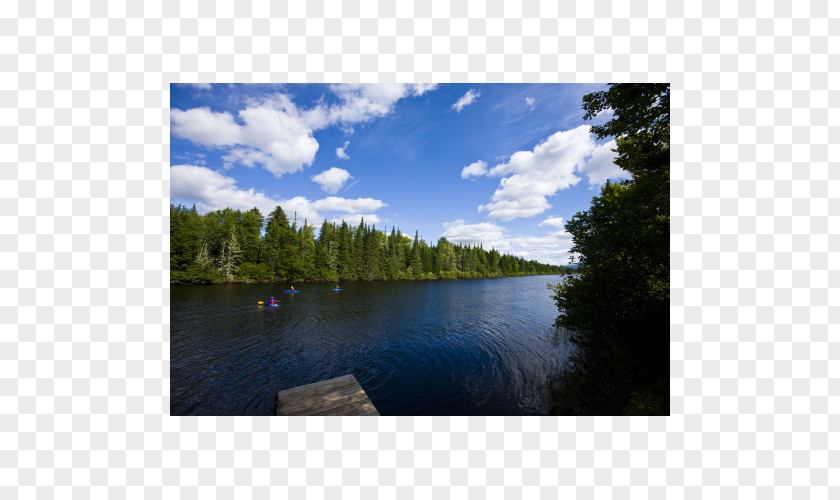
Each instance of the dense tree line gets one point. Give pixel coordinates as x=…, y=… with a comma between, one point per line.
x=234, y=246
x=617, y=307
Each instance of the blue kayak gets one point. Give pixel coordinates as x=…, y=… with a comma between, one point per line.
x=337, y=289
x=273, y=305
x=291, y=291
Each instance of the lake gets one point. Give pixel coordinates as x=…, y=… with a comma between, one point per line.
x=460, y=347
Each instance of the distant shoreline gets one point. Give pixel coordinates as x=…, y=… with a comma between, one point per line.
x=254, y=282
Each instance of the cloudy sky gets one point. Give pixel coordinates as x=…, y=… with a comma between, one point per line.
x=505, y=165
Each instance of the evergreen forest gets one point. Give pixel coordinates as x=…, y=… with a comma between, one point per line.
x=617, y=306
x=228, y=246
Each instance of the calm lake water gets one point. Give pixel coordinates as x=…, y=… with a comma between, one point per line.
x=464, y=347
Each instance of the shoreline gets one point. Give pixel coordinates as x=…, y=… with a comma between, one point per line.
x=438, y=278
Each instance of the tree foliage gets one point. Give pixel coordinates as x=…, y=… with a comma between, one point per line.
x=233, y=246
x=617, y=307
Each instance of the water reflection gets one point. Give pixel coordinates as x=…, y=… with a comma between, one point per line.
x=467, y=347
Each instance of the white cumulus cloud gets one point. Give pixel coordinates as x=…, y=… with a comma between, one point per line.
x=247, y=157
x=601, y=166
x=353, y=206
x=552, y=248
x=466, y=100
x=340, y=152
x=333, y=179
x=485, y=233
x=211, y=190
x=530, y=177
x=362, y=102
x=277, y=134
x=553, y=222
x=536, y=175
x=477, y=169
x=205, y=127
x=273, y=134
x=419, y=89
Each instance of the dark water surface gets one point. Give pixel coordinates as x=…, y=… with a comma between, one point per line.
x=464, y=347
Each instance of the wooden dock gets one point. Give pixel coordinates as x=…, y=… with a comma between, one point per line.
x=337, y=396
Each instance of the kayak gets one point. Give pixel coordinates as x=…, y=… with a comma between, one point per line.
x=273, y=305
x=338, y=289
x=291, y=291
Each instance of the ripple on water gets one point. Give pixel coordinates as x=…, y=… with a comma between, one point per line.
x=465, y=347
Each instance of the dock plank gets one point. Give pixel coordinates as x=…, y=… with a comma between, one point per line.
x=333, y=382
x=322, y=403
x=362, y=409
x=337, y=396
x=319, y=388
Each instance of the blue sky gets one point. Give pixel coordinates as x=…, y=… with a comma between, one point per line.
x=504, y=165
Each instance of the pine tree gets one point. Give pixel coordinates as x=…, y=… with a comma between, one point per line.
x=306, y=251
x=345, y=252
x=275, y=243
x=325, y=253
x=230, y=256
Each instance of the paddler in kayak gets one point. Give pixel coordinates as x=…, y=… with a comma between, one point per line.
x=293, y=289
x=271, y=301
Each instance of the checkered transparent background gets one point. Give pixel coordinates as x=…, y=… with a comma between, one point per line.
x=84, y=186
